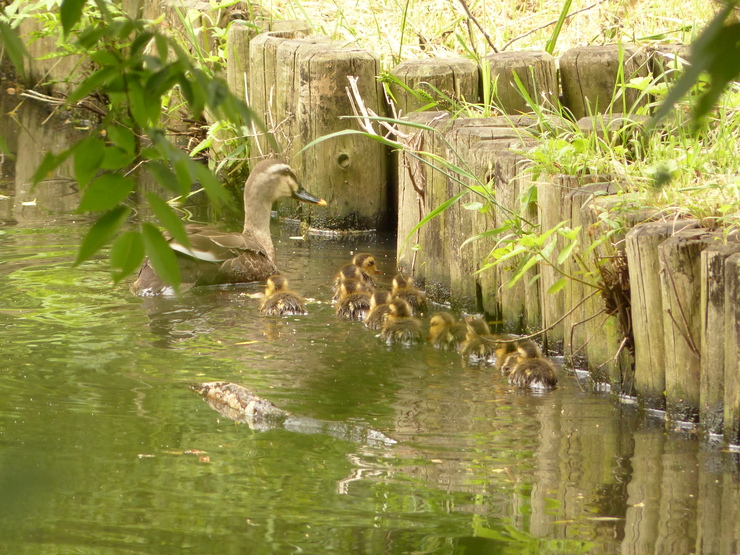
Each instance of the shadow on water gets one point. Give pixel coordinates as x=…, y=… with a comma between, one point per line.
x=105, y=449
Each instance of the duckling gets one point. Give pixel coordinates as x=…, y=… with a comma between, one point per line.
x=362, y=268
x=379, y=310
x=279, y=300
x=445, y=332
x=403, y=288
x=354, y=301
x=506, y=346
x=530, y=369
x=478, y=348
x=214, y=256
x=401, y=327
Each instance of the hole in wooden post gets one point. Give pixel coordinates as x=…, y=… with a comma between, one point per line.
x=343, y=161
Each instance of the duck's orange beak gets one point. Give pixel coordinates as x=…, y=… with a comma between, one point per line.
x=304, y=196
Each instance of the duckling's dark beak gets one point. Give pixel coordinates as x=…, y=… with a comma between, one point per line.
x=304, y=196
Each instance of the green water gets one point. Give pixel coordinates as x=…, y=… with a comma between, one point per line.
x=105, y=449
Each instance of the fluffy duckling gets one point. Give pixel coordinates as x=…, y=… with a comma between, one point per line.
x=504, y=348
x=279, y=300
x=478, y=347
x=401, y=327
x=362, y=268
x=354, y=299
x=530, y=369
x=379, y=310
x=403, y=288
x=445, y=332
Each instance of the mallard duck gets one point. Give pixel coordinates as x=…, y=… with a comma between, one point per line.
x=478, y=349
x=354, y=300
x=400, y=327
x=279, y=300
x=403, y=288
x=379, y=310
x=445, y=332
x=216, y=256
x=530, y=369
x=362, y=268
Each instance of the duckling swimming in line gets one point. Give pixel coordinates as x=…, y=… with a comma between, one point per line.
x=478, y=347
x=362, y=268
x=279, y=300
x=445, y=332
x=530, y=370
x=379, y=310
x=354, y=299
x=401, y=328
x=403, y=288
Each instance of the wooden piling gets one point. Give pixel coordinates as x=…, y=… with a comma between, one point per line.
x=711, y=411
x=537, y=72
x=440, y=81
x=680, y=274
x=732, y=350
x=647, y=307
x=590, y=76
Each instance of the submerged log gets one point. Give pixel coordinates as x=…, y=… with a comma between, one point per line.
x=238, y=403
x=713, y=305
x=647, y=307
x=680, y=276
x=590, y=77
x=440, y=80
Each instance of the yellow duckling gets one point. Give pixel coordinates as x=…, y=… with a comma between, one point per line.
x=362, y=268
x=279, y=300
x=479, y=348
x=403, y=288
x=379, y=310
x=530, y=370
x=445, y=332
x=354, y=299
x=400, y=327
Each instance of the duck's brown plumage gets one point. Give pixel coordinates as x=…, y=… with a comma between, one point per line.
x=530, y=369
x=279, y=300
x=215, y=256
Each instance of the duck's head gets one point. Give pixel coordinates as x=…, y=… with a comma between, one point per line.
x=380, y=297
x=528, y=349
x=366, y=262
x=272, y=179
x=399, y=309
x=274, y=284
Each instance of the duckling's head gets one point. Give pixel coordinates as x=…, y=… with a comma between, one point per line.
x=380, y=297
x=400, y=282
x=276, y=283
x=528, y=349
x=399, y=309
x=366, y=261
x=350, y=271
x=477, y=326
x=272, y=179
x=441, y=319
x=349, y=286
x=510, y=362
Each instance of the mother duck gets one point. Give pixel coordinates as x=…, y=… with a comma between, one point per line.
x=216, y=256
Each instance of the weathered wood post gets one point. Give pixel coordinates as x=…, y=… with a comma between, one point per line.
x=647, y=308
x=711, y=411
x=680, y=275
x=454, y=78
x=732, y=350
x=590, y=76
x=537, y=72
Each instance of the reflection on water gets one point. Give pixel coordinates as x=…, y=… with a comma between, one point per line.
x=106, y=449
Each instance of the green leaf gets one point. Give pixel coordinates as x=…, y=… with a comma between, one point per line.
x=212, y=186
x=473, y=205
x=14, y=47
x=434, y=213
x=161, y=256
x=126, y=254
x=101, y=232
x=93, y=82
x=164, y=177
x=567, y=250
x=116, y=158
x=48, y=164
x=88, y=159
x=122, y=137
x=70, y=13
x=168, y=218
x=106, y=192
x=557, y=286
